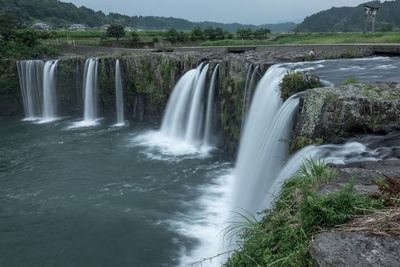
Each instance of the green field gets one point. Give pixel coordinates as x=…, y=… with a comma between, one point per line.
x=95, y=37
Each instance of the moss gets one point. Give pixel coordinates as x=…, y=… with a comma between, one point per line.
x=69, y=85
x=231, y=102
x=10, y=94
x=350, y=80
x=295, y=82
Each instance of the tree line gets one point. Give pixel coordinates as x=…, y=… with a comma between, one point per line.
x=196, y=34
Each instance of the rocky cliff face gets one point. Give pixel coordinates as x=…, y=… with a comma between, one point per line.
x=10, y=96
x=333, y=114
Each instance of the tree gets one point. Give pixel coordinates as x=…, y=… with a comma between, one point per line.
x=386, y=27
x=135, y=37
x=219, y=34
x=261, y=33
x=172, y=35
x=116, y=31
x=196, y=34
x=8, y=25
x=244, y=33
x=209, y=33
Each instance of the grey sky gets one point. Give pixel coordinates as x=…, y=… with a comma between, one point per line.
x=242, y=11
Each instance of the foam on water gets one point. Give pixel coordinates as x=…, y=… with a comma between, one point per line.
x=207, y=224
x=164, y=147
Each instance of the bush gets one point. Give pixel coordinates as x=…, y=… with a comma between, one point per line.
x=295, y=82
x=351, y=80
x=135, y=37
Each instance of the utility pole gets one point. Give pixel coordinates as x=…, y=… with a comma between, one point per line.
x=370, y=15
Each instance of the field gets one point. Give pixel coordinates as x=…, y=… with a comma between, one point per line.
x=97, y=37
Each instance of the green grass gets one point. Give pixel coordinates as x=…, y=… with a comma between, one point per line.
x=235, y=42
x=313, y=38
x=93, y=37
x=350, y=80
x=337, y=38
x=284, y=235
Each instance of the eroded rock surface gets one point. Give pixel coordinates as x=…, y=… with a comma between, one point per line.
x=355, y=249
x=343, y=112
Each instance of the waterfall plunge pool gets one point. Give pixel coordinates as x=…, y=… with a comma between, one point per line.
x=94, y=197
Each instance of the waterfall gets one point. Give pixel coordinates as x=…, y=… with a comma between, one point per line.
x=89, y=95
x=208, y=138
x=190, y=110
x=248, y=92
x=90, y=90
x=30, y=73
x=175, y=118
x=196, y=114
x=246, y=88
x=119, y=95
x=49, y=91
x=263, y=148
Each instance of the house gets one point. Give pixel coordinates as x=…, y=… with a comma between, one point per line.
x=77, y=27
x=41, y=26
x=105, y=27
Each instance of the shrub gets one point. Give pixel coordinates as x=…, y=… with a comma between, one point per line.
x=294, y=82
x=350, y=80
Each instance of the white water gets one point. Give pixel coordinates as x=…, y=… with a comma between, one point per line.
x=49, y=92
x=90, y=95
x=209, y=123
x=263, y=129
x=187, y=126
x=30, y=74
x=335, y=154
x=195, y=122
x=119, y=95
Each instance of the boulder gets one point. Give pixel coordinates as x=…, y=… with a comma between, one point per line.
x=334, y=114
x=355, y=249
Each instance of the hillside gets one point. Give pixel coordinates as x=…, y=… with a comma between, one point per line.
x=61, y=14
x=352, y=19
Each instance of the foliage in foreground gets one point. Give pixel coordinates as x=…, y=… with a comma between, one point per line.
x=296, y=81
x=283, y=237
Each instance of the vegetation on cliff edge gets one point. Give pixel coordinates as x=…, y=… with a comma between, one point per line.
x=283, y=236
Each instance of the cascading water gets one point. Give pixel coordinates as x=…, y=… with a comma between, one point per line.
x=251, y=79
x=89, y=94
x=30, y=74
x=190, y=110
x=263, y=148
x=49, y=91
x=208, y=137
x=119, y=95
x=90, y=90
x=196, y=114
x=175, y=118
x=350, y=152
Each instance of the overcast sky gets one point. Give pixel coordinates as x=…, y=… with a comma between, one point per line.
x=242, y=11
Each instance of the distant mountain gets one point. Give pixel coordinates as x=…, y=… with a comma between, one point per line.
x=352, y=19
x=232, y=27
x=62, y=14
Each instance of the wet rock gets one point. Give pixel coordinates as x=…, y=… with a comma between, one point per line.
x=355, y=249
